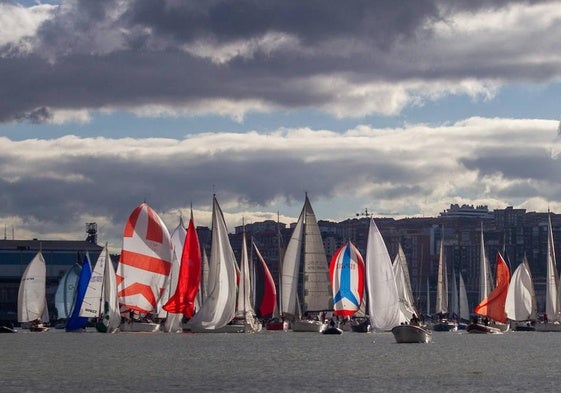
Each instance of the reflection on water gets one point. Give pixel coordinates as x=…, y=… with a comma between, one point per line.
x=277, y=361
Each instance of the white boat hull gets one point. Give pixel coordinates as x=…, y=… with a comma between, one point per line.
x=303, y=325
x=411, y=334
x=141, y=327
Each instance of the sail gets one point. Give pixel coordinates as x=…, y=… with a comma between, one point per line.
x=291, y=269
x=183, y=299
x=520, y=303
x=493, y=306
x=75, y=321
x=244, y=304
x=220, y=305
x=317, y=289
x=32, y=289
x=552, y=283
x=346, y=271
x=484, y=271
x=442, y=283
x=110, y=313
x=93, y=298
x=66, y=291
x=403, y=282
x=145, y=261
x=265, y=291
x=464, y=307
x=173, y=322
x=383, y=298
x=454, y=298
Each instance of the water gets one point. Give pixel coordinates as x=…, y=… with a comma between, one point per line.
x=277, y=361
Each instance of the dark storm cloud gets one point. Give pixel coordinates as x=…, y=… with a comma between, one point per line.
x=124, y=55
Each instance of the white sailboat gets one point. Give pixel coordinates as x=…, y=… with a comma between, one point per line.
x=305, y=262
x=443, y=324
x=219, y=307
x=403, y=282
x=520, y=305
x=383, y=296
x=463, y=303
x=144, y=267
x=32, y=302
x=100, y=300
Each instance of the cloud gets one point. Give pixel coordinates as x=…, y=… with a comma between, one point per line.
x=173, y=58
x=54, y=186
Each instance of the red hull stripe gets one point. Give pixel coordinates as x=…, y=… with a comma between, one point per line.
x=145, y=262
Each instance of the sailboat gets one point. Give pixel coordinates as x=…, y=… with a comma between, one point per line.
x=346, y=272
x=383, y=295
x=182, y=302
x=278, y=322
x=144, y=267
x=100, y=300
x=403, y=282
x=305, y=262
x=493, y=306
x=32, y=302
x=219, y=307
x=65, y=294
x=244, y=308
x=551, y=316
x=520, y=303
x=443, y=324
x=77, y=322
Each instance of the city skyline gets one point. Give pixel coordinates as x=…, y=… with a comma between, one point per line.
x=402, y=109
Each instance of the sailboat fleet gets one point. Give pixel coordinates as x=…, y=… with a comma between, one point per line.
x=162, y=284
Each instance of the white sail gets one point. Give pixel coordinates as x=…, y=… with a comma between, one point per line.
x=552, y=280
x=464, y=307
x=454, y=296
x=110, y=312
x=403, y=282
x=219, y=307
x=484, y=271
x=316, y=294
x=93, y=298
x=32, y=291
x=383, y=298
x=245, y=294
x=520, y=302
x=291, y=269
x=66, y=291
x=442, y=283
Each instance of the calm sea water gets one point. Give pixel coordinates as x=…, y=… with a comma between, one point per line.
x=278, y=362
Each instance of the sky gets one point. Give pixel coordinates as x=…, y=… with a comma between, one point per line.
x=401, y=108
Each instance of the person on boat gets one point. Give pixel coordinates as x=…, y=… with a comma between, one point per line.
x=414, y=320
x=332, y=323
x=545, y=318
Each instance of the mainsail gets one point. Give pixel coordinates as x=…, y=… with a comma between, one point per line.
x=316, y=291
x=383, y=297
x=464, y=307
x=520, y=304
x=493, y=306
x=347, y=280
x=552, y=280
x=145, y=260
x=484, y=271
x=219, y=307
x=442, y=283
x=403, y=282
x=31, y=295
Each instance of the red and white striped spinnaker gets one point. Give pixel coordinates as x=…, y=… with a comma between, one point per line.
x=145, y=261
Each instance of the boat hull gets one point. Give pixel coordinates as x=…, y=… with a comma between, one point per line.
x=332, y=330
x=303, y=325
x=277, y=325
x=139, y=327
x=478, y=328
x=445, y=326
x=410, y=334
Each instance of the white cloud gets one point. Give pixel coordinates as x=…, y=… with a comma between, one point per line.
x=18, y=23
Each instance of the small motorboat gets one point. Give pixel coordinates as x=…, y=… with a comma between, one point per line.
x=332, y=330
x=445, y=325
x=411, y=334
x=360, y=324
x=7, y=327
x=479, y=328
